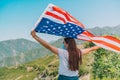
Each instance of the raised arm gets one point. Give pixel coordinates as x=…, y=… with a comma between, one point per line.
x=87, y=50
x=44, y=43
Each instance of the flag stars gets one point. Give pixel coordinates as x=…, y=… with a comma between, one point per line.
x=39, y=31
x=74, y=34
x=60, y=33
x=53, y=32
x=70, y=36
x=64, y=26
x=66, y=29
x=48, y=29
x=69, y=24
x=73, y=30
x=43, y=30
x=79, y=31
x=67, y=33
x=78, y=28
x=55, y=24
x=47, y=22
x=54, y=28
x=45, y=26
x=71, y=27
x=51, y=25
x=61, y=30
x=59, y=27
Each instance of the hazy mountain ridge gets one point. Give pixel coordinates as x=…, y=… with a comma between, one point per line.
x=105, y=30
x=45, y=67
x=26, y=55
x=11, y=48
x=14, y=52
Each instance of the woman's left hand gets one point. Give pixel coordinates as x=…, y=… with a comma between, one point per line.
x=33, y=33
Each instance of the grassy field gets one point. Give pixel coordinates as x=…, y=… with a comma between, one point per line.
x=27, y=71
x=44, y=67
x=47, y=68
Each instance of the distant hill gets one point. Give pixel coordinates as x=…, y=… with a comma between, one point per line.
x=14, y=52
x=11, y=48
x=105, y=30
x=36, y=64
x=30, y=70
x=45, y=68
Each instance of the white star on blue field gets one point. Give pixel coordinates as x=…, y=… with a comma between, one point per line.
x=66, y=30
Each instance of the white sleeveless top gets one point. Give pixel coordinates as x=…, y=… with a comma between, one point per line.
x=64, y=66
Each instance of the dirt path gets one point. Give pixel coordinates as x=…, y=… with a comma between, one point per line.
x=85, y=77
x=19, y=77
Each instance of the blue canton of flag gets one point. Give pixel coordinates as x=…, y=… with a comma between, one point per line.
x=57, y=21
x=51, y=27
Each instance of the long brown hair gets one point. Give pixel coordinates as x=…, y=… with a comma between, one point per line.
x=75, y=56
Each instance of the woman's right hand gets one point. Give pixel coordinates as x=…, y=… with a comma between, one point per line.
x=33, y=33
x=44, y=43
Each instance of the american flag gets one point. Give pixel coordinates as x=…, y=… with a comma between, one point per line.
x=57, y=21
x=107, y=42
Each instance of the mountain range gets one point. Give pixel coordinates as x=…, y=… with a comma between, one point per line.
x=113, y=31
x=14, y=52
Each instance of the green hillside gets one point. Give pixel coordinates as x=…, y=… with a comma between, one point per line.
x=11, y=48
x=45, y=67
x=25, y=57
x=39, y=64
x=13, y=52
x=28, y=55
x=42, y=68
x=29, y=70
x=113, y=30
x=100, y=65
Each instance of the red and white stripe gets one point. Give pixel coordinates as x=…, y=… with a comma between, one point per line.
x=85, y=36
x=107, y=42
x=60, y=15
